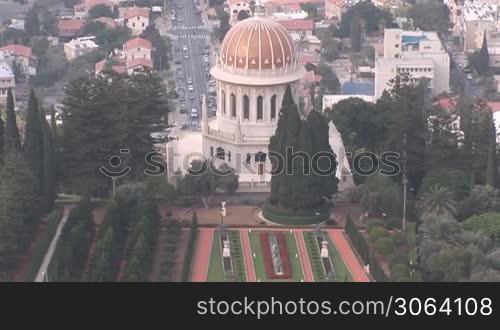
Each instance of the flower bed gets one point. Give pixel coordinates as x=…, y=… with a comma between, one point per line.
x=268, y=260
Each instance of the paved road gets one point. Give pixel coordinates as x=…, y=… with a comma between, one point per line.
x=40, y=277
x=189, y=31
x=304, y=257
x=351, y=261
x=248, y=256
x=201, y=262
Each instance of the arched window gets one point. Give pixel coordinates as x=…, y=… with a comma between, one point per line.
x=260, y=157
x=260, y=108
x=211, y=151
x=233, y=105
x=273, y=107
x=229, y=156
x=223, y=101
x=220, y=153
x=246, y=107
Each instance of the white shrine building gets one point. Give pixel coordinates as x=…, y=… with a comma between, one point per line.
x=257, y=61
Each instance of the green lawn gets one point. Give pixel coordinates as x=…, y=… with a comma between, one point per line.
x=297, y=274
x=260, y=270
x=215, y=269
x=341, y=271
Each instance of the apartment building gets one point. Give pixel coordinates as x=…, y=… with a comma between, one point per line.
x=418, y=53
x=78, y=47
x=7, y=80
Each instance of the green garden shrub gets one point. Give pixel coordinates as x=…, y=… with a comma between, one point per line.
x=374, y=222
x=384, y=245
x=377, y=232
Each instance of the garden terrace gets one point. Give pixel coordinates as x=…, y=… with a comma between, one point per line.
x=276, y=261
x=322, y=266
x=258, y=257
x=232, y=269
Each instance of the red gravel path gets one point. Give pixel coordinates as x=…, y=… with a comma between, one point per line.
x=247, y=254
x=199, y=272
x=355, y=268
x=304, y=257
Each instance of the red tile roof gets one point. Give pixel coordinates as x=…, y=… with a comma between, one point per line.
x=136, y=11
x=298, y=24
x=291, y=2
x=137, y=42
x=450, y=103
x=69, y=27
x=19, y=50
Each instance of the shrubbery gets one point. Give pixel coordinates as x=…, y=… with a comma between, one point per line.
x=72, y=249
x=142, y=244
x=193, y=234
x=377, y=232
x=290, y=217
x=384, y=245
x=43, y=244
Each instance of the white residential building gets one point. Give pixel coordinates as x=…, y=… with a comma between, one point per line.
x=78, y=47
x=7, y=80
x=419, y=53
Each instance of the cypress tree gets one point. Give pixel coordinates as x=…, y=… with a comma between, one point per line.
x=33, y=144
x=295, y=184
x=2, y=133
x=491, y=169
x=16, y=204
x=356, y=34
x=49, y=177
x=484, y=56
x=12, y=140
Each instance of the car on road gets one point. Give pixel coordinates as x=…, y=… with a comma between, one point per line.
x=179, y=72
x=185, y=48
x=190, y=88
x=178, y=62
x=189, y=80
x=469, y=76
x=186, y=56
x=181, y=91
x=177, y=49
x=194, y=113
x=172, y=17
x=180, y=6
x=191, y=96
x=211, y=90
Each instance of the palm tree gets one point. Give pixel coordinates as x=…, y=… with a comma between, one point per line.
x=437, y=200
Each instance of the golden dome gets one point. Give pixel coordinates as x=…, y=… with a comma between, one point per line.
x=258, y=44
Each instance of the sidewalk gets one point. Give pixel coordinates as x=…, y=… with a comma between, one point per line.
x=203, y=250
x=248, y=257
x=304, y=257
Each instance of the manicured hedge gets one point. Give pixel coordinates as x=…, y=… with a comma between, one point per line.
x=169, y=249
x=384, y=245
x=291, y=217
x=72, y=250
x=193, y=234
x=377, y=232
x=41, y=247
x=141, y=245
x=361, y=246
